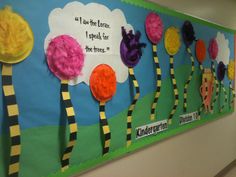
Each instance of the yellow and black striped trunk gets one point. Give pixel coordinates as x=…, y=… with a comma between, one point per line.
x=106, y=133
x=216, y=85
x=225, y=97
x=158, y=82
x=204, y=99
x=131, y=108
x=70, y=113
x=12, y=114
x=234, y=95
x=188, y=81
x=176, y=93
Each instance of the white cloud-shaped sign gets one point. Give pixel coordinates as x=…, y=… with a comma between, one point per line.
x=224, y=50
x=97, y=29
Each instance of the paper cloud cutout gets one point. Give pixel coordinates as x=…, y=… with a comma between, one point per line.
x=224, y=50
x=95, y=26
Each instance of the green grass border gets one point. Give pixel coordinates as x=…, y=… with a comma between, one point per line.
x=78, y=169
x=165, y=10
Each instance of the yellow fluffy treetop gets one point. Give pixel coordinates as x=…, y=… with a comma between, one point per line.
x=172, y=40
x=16, y=37
x=231, y=70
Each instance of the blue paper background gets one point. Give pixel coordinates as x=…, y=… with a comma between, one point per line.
x=38, y=91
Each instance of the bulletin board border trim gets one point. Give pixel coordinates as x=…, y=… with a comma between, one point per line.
x=165, y=10
x=148, y=141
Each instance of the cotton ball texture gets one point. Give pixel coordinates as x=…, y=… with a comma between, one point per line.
x=65, y=57
x=16, y=37
x=172, y=40
x=154, y=27
x=231, y=70
x=221, y=71
x=103, y=83
x=188, y=33
x=131, y=48
x=200, y=50
x=213, y=49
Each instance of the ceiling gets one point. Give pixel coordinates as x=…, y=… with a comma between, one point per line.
x=222, y=12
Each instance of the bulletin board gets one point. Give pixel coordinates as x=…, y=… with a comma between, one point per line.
x=85, y=82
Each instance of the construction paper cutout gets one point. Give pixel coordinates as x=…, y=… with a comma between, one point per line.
x=206, y=90
x=231, y=70
x=217, y=91
x=131, y=48
x=172, y=45
x=172, y=40
x=16, y=37
x=65, y=57
x=232, y=92
x=106, y=133
x=158, y=83
x=231, y=76
x=225, y=97
x=221, y=71
x=103, y=33
x=131, y=52
x=103, y=88
x=132, y=107
x=188, y=36
x=188, y=33
x=16, y=43
x=154, y=27
x=103, y=83
x=73, y=128
x=200, y=51
x=13, y=118
x=224, y=50
x=220, y=75
x=213, y=49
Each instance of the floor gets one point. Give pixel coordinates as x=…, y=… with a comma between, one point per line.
x=231, y=173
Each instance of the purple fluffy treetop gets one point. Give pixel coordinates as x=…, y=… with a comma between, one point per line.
x=221, y=71
x=188, y=33
x=131, y=48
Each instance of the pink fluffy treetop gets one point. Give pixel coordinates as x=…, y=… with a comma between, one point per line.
x=213, y=48
x=65, y=57
x=154, y=27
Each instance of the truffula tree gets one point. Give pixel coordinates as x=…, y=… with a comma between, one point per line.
x=172, y=45
x=65, y=59
x=131, y=53
x=154, y=30
x=221, y=69
x=188, y=37
x=103, y=88
x=16, y=44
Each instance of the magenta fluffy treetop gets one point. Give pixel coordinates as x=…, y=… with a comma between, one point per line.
x=65, y=57
x=154, y=27
x=213, y=48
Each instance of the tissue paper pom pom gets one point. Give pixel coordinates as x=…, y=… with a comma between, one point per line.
x=188, y=33
x=131, y=48
x=172, y=40
x=103, y=83
x=154, y=27
x=231, y=70
x=65, y=57
x=200, y=50
x=213, y=49
x=221, y=71
x=16, y=37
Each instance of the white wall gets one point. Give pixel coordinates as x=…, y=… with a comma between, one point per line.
x=201, y=152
